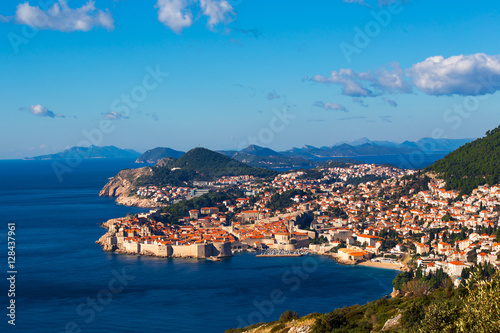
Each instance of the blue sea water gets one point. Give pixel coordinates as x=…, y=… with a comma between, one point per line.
x=416, y=160
x=66, y=283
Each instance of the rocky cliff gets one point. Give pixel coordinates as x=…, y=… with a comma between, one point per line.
x=123, y=182
x=121, y=186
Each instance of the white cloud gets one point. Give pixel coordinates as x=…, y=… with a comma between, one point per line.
x=475, y=74
x=178, y=14
x=390, y=102
x=115, y=115
x=368, y=84
x=347, y=79
x=217, y=11
x=330, y=106
x=62, y=18
x=41, y=111
x=174, y=14
x=391, y=80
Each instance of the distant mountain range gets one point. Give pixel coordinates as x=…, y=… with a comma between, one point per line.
x=308, y=156
x=430, y=144
x=256, y=156
x=91, y=152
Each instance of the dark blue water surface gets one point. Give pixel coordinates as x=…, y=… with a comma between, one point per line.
x=415, y=160
x=66, y=283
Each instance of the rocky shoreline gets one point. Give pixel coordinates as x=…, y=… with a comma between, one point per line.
x=134, y=201
x=121, y=188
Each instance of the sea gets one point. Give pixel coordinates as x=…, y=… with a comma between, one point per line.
x=64, y=282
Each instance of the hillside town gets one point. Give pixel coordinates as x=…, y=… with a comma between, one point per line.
x=388, y=221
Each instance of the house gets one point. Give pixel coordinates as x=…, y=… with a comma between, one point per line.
x=422, y=248
x=455, y=268
x=341, y=234
x=367, y=239
x=194, y=213
x=443, y=246
x=248, y=215
x=486, y=258
x=209, y=210
x=353, y=254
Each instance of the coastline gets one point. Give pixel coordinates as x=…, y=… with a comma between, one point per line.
x=368, y=263
x=277, y=255
x=397, y=267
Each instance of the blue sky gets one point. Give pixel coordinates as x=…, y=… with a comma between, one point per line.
x=274, y=73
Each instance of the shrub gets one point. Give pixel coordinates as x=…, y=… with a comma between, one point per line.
x=288, y=316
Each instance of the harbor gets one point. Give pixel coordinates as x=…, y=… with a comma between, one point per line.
x=282, y=253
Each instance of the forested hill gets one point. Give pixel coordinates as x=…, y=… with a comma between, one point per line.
x=213, y=164
x=156, y=154
x=201, y=164
x=476, y=163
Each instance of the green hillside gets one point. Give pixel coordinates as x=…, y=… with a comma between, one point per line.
x=201, y=164
x=156, y=154
x=212, y=164
x=476, y=163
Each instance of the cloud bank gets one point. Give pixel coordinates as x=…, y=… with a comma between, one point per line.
x=41, y=111
x=367, y=84
x=475, y=74
x=62, y=18
x=330, y=106
x=466, y=75
x=178, y=14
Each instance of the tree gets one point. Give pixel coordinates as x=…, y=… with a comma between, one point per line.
x=288, y=316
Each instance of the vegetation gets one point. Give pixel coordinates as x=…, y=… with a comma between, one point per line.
x=318, y=240
x=288, y=316
x=476, y=163
x=470, y=308
x=163, y=176
x=209, y=164
x=336, y=212
x=416, y=182
x=340, y=163
x=310, y=174
x=200, y=164
x=158, y=153
x=284, y=200
x=420, y=284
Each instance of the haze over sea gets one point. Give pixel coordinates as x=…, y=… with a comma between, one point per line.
x=60, y=267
